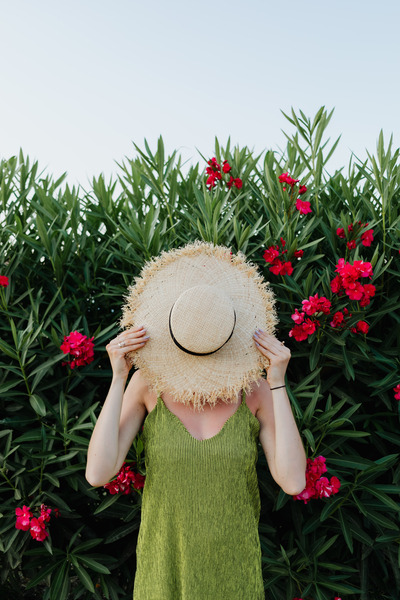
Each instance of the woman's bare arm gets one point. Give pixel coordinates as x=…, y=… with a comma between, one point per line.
x=279, y=435
x=122, y=413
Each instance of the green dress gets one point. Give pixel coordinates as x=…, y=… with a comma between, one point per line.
x=198, y=537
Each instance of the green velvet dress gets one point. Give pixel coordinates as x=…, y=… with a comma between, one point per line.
x=198, y=537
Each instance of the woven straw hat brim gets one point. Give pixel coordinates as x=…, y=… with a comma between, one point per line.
x=197, y=380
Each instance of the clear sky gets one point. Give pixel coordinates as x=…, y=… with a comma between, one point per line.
x=82, y=79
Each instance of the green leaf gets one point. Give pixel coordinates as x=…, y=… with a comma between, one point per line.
x=82, y=574
x=93, y=564
x=106, y=503
x=38, y=405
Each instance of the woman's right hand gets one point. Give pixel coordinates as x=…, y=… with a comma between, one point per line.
x=127, y=341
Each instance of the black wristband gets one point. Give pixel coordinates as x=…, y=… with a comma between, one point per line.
x=278, y=387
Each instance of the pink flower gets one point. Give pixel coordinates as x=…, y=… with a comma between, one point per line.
x=38, y=530
x=298, y=317
x=303, y=206
x=397, y=392
x=351, y=245
x=80, y=347
x=23, y=517
x=302, y=190
x=340, y=232
x=4, y=281
x=361, y=327
x=271, y=254
x=367, y=237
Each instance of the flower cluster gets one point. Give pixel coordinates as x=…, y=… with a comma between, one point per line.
x=4, y=281
x=397, y=392
x=353, y=234
x=35, y=525
x=302, y=206
x=275, y=256
x=215, y=173
x=347, y=281
x=80, y=347
x=125, y=481
x=317, y=486
x=313, y=307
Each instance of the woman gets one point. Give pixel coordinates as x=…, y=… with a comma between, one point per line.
x=208, y=319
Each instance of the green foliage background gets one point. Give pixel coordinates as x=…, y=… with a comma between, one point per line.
x=70, y=256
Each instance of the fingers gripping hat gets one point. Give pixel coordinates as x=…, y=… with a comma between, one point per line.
x=200, y=305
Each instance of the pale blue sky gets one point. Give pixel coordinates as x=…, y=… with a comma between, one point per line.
x=81, y=80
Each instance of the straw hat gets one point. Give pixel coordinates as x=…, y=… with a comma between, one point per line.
x=200, y=305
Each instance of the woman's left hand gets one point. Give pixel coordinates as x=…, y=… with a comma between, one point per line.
x=277, y=354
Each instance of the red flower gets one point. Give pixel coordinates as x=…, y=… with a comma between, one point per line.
x=125, y=479
x=38, y=530
x=211, y=180
x=44, y=514
x=285, y=178
x=271, y=254
x=298, y=253
x=337, y=285
x=303, y=206
x=4, y=281
x=340, y=232
x=368, y=293
x=338, y=319
x=361, y=327
x=214, y=165
x=23, y=517
x=348, y=278
x=302, y=190
x=281, y=268
x=350, y=227
x=326, y=488
x=397, y=392
x=80, y=347
x=315, y=304
x=283, y=242
x=317, y=486
x=238, y=183
x=303, y=330
x=226, y=167
x=367, y=237
x=351, y=245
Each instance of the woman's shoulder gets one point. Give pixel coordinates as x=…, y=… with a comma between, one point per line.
x=141, y=386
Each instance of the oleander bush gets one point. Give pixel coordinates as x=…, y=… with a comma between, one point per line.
x=66, y=258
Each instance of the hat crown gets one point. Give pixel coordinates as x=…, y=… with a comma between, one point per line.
x=202, y=319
